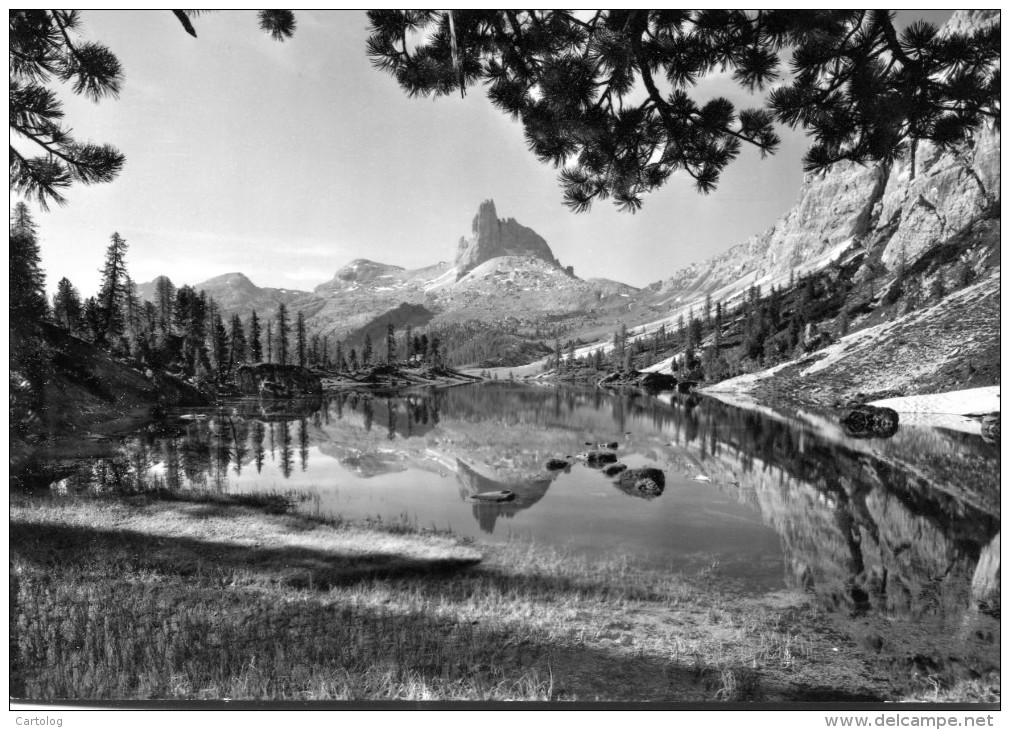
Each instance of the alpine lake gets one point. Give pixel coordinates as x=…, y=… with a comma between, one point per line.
x=906, y=528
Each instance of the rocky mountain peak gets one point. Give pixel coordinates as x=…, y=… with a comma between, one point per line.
x=492, y=237
x=364, y=270
x=234, y=280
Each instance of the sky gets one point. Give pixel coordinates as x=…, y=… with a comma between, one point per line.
x=287, y=160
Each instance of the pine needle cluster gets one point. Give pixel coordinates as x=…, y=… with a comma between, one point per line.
x=606, y=97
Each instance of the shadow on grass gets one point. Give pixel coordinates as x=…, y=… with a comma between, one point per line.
x=61, y=546
x=103, y=614
x=80, y=638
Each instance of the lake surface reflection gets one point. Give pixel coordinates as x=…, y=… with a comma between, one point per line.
x=903, y=526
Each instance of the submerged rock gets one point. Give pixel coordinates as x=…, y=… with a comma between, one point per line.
x=614, y=469
x=503, y=495
x=866, y=421
x=555, y=464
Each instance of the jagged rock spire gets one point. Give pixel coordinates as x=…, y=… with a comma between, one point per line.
x=492, y=237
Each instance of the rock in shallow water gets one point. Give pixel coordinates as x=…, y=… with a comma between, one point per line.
x=866, y=421
x=501, y=496
x=555, y=464
x=648, y=482
x=599, y=458
x=614, y=469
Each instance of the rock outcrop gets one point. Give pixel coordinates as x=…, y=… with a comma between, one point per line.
x=878, y=206
x=277, y=381
x=492, y=237
x=865, y=421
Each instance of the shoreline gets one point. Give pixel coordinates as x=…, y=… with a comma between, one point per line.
x=203, y=582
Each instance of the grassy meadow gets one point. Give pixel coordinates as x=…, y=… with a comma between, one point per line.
x=215, y=597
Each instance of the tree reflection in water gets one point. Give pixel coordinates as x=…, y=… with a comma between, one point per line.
x=894, y=526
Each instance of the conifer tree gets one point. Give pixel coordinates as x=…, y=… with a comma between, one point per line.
x=237, y=340
x=217, y=343
x=92, y=315
x=255, y=345
x=68, y=309
x=366, y=351
x=28, y=305
x=270, y=342
x=313, y=352
x=300, y=338
x=390, y=344
x=434, y=356
x=611, y=99
x=353, y=361
x=410, y=343
x=28, y=354
x=113, y=290
x=164, y=299
x=717, y=333
x=282, y=332
x=339, y=357
x=131, y=306
x=190, y=313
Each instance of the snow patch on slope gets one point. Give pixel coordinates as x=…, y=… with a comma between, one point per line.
x=955, y=402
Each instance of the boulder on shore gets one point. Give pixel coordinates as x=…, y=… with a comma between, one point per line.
x=865, y=421
x=277, y=381
x=651, y=382
x=657, y=381
x=990, y=427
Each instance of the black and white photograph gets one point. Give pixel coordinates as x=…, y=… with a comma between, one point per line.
x=505, y=360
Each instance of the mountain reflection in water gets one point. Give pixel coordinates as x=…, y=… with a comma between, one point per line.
x=905, y=526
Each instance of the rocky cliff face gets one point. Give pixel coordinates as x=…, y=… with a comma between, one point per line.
x=878, y=205
x=492, y=237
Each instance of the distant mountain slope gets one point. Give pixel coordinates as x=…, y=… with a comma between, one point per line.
x=502, y=270
x=235, y=293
